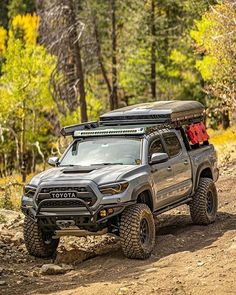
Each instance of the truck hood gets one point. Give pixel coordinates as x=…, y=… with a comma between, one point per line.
x=98, y=174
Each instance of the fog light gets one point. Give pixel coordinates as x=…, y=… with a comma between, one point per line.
x=103, y=213
x=110, y=211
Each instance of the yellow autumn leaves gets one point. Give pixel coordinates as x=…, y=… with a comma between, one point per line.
x=23, y=27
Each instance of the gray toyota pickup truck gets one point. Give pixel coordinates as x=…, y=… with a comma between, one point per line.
x=118, y=173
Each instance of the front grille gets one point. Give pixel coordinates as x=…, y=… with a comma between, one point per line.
x=82, y=192
x=64, y=204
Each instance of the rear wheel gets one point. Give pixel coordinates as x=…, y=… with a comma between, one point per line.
x=38, y=243
x=137, y=231
x=203, y=207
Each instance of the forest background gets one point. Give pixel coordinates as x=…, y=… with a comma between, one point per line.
x=68, y=61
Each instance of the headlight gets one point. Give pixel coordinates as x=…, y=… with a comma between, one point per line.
x=113, y=188
x=29, y=191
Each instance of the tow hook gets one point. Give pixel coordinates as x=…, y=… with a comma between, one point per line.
x=65, y=223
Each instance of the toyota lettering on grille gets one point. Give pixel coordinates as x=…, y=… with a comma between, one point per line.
x=63, y=195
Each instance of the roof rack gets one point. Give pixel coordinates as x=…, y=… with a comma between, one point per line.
x=161, y=112
x=70, y=130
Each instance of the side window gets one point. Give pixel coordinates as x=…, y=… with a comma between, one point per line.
x=155, y=147
x=172, y=143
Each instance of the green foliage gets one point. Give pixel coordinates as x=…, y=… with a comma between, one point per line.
x=11, y=8
x=2, y=219
x=25, y=100
x=177, y=77
x=3, y=13
x=18, y=7
x=214, y=36
x=29, y=114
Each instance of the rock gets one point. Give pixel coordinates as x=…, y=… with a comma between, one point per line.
x=18, y=239
x=153, y=269
x=3, y=283
x=1, y=270
x=35, y=274
x=200, y=263
x=123, y=290
x=52, y=269
x=73, y=256
x=67, y=267
x=232, y=247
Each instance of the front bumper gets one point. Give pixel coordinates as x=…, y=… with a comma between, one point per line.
x=47, y=211
x=83, y=217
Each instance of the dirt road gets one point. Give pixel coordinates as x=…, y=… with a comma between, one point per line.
x=187, y=259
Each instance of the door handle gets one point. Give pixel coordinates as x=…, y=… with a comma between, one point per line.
x=186, y=162
x=169, y=169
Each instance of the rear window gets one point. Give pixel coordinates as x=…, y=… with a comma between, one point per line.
x=172, y=143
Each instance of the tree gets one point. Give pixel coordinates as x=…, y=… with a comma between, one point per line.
x=215, y=42
x=153, y=49
x=24, y=96
x=157, y=59
x=11, y=8
x=114, y=96
x=4, y=13
x=61, y=34
x=20, y=7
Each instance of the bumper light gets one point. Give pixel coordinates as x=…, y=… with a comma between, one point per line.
x=103, y=213
x=113, y=188
x=106, y=212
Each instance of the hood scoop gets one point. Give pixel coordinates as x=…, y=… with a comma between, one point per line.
x=78, y=170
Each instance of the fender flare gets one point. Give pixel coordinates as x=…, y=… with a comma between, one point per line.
x=203, y=166
x=141, y=188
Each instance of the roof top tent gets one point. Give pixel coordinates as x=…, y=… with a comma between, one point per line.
x=160, y=112
x=156, y=113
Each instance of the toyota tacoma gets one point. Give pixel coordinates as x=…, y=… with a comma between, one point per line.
x=119, y=173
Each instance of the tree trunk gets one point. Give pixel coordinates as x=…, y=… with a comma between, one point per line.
x=225, y=119
x=79, y=70
x=78, y=64
x=114, y=96
x=100, y=60
x=23, y=160
x=153, y=50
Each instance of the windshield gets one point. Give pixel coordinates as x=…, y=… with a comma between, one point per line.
x=103, y=151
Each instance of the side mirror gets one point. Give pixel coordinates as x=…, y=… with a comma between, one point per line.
x=53, y=161
x=159, y=158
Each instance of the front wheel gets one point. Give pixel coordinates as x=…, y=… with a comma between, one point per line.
x=203, y=207
x=38, y=243
x=137, y=231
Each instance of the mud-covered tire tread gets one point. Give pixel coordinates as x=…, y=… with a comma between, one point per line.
x=34, y=241
x=197, y=206
x=130, y=231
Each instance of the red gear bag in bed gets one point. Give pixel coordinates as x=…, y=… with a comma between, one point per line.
x=197, y=133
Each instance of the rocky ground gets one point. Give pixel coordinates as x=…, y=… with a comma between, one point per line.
x=187, y=259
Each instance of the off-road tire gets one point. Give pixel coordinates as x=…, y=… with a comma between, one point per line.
x=132, y=218
x=203, y=207
x=35, y=240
